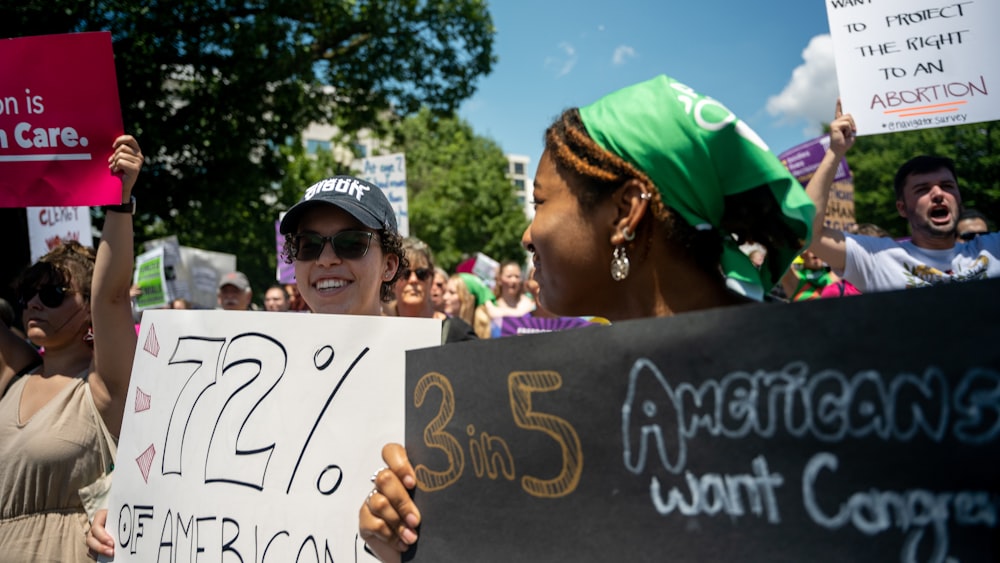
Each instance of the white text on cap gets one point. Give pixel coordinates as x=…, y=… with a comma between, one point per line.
x=350, y=186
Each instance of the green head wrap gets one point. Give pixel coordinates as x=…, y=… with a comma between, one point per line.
x=478, y=288
x=697, y=153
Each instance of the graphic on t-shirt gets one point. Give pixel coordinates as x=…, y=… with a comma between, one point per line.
x=924, y=276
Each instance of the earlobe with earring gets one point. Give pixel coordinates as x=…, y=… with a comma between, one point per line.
x=619, y=264
x=619, y=261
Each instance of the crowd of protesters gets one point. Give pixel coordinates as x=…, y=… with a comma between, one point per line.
x=630, y=223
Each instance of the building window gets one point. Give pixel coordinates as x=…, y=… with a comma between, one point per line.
x=314, y=145
x=519, y=183
x=519, y=168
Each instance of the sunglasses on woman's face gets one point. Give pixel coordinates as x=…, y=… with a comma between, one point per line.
x=50, y=295
x=348, y=245
x=969, y=235
x=422, y=274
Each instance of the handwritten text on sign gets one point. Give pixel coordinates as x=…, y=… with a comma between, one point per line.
x=389, y=173
x=916, y=64
x=694, y=437
x=251, y=435
x=50, y=226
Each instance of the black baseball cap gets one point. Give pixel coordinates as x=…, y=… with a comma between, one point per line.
x=363, y=200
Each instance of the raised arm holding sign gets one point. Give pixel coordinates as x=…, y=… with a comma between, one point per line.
x=59, y=414
x=929, y=198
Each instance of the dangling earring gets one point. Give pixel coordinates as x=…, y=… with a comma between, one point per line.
x=619, y=264
x=629, y=236
x=89, y=336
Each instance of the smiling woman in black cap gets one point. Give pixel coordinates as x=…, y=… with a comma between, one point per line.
x=342, y=238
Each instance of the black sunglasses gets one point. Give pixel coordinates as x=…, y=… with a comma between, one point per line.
x=50, y=295
x=422, y=273
x=349, y=245
x=969, y=235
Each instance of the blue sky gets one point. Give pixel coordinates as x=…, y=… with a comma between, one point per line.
x=771, y=63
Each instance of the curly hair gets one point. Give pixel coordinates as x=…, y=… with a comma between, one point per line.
x=750, y=216
x=391, y=243
x=67, y=264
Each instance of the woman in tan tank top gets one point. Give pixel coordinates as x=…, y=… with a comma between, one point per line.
x=60, y=411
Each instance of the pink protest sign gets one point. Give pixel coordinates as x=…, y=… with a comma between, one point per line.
x=59, y=115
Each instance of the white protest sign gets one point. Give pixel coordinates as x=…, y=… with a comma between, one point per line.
x=49, y=226
x=203, y=269
x=486, y=268
x=916, y=64
x=252, y=436
x=389, y=173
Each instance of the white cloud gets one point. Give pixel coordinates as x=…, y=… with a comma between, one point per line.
x=622, y=54
x=811, y=92
x=564, y=63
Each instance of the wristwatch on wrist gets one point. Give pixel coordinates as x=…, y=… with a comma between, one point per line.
x=127, y=207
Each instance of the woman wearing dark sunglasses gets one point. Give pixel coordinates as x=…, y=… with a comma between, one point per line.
x=347, y=251
x=413, y=293
x=344, y=243
x=60, y=411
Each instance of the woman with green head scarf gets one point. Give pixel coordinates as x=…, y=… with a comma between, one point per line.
x=642, y=200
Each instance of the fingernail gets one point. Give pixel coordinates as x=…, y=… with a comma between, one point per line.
x=409, y=482
x=412, y=521
x=409, y=536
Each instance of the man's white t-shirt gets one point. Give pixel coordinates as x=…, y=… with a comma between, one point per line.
x=882, y=264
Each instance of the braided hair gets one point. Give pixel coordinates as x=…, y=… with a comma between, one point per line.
x=750, y=216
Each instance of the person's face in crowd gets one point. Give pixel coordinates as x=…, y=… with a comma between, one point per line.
x=179, y=304
x=437, y=291
x=572, y=246
x=414, y=290
x=969, y=229
x=510, y=280
x=274, y=300
x=757, y=258
x=294, y=299
x=812, y=262
x=232, y=298
x=54, y=315
x=451, y=302
x=930, y=202
x=346, y=286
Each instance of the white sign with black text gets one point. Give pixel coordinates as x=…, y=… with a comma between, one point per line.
x=251, y=436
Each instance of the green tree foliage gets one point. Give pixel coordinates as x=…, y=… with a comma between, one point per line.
x=875, y=159
x=212, y=89
x=460, y=200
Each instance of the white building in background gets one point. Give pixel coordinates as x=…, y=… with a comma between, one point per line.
x=319, y=137
x=517, y=172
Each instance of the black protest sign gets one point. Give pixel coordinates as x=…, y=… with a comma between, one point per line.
x=858, y=429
